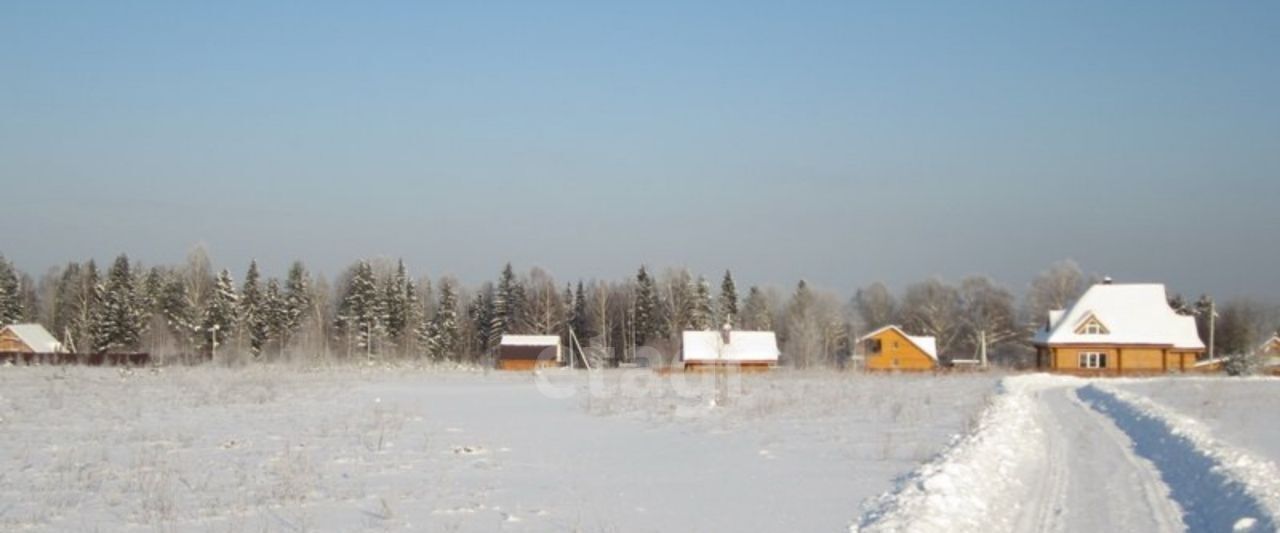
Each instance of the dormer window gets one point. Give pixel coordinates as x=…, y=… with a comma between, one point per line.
x=1092, y=326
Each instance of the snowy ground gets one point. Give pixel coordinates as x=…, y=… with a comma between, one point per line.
x=273, y=449
x=1064, y=454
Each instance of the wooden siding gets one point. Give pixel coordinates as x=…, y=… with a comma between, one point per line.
x=9, y=342
x=896, y=353
x=525, y=365
x=743, y=366
x=526, y=352
x=1120, y=359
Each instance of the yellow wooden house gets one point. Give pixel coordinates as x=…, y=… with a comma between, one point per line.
x=890, y=348
x=1116, y=329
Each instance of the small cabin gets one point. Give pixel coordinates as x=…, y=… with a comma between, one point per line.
x=28, y=339
x=529, y=352
x=747, y=350
x=890, y=348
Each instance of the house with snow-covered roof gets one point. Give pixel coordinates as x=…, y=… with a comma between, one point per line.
x=749, y=350
x=1116, y=329
x=891, y=348
x=28, y=338
x=1269, y=353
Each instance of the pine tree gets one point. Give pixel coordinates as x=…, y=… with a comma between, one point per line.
x=219, y=322
x=756, y=313
x=297, y=301
x=648, y=324
x=700, y=311
x=360, y=314
x=444, y=339
x=253, y=324
x=175, y=307
x=117, y=325
x=10, y=299
x=728, y=308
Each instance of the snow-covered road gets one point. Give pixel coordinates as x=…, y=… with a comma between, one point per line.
x=1091, y=479
x=1060, y=454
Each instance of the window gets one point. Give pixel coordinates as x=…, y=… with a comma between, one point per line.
x=873, y=345
x=1093, y=328
x=1093, y=360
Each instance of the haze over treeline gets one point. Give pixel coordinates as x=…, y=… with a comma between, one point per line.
x=382, y=309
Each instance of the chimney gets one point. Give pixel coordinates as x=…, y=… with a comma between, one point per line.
x=1106, y=280
x=725, y=330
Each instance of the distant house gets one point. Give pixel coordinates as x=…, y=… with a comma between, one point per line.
x=28, y=338
x=529, y=352
x=1117, y=329
x=890, y=348
x=749, y=350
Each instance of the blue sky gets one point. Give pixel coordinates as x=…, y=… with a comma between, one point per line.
x=842, y=142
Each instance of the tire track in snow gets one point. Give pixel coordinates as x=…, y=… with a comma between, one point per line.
x=1212, y=499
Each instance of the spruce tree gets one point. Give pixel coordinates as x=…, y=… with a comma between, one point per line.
x=396, y=305
x=117, y=325
x=360, y=314
x=480, y=315
x=728, y=308
x=219, y=323
x=66, y=305
x=297, y=301
x=444, y=339
x=508, y=299
x=581, y=322
x=414, y=316
x=700, y=311
x=10, y=298
x=648, y=324
x=174, y=306
x=250, y=311
x=275, y=312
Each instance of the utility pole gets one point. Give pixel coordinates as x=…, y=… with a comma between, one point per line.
x=982, y=347
x=1213, y=316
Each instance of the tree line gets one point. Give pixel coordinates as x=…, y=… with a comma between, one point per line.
x=376, y=309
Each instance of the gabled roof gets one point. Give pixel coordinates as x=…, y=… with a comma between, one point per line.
x=1135, y=313
x=35, y=337
x=928, y=345
x=743, y=346
x=530, y=340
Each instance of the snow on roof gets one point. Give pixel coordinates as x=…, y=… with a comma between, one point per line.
x=928, y=345
x=756, y=346
x=1134, y=313
x=530, y=340
x=36, y=337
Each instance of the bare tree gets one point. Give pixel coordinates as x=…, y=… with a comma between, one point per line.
x=1055, y=288
x=543, y=308
x=934, y=308
x=987, y=313
x=875, y=306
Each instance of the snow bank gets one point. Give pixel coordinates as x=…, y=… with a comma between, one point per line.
x=971, y=485
x=1191, y=458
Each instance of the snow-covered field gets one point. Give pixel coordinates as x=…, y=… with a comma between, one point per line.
x=349, y=449
x=428, y=449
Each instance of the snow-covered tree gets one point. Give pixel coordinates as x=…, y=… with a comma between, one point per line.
x=117, y=325
x=360, y=313
x=987, y=311
x=508, y=299
x=174, y=307
x=297, y=301
x=581, y=316
x=444, y=337
x=728, y=304
x=756, y=314
x=395, y=304
x=414, y=316
x=480, y=316
x=647, y=321
x=219, y=321
x=701, y=312
x=10, y=298
x=251, y=312
x=275, y=312
x=1055, y=288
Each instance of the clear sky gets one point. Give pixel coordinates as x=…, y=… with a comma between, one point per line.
x=843, y=142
